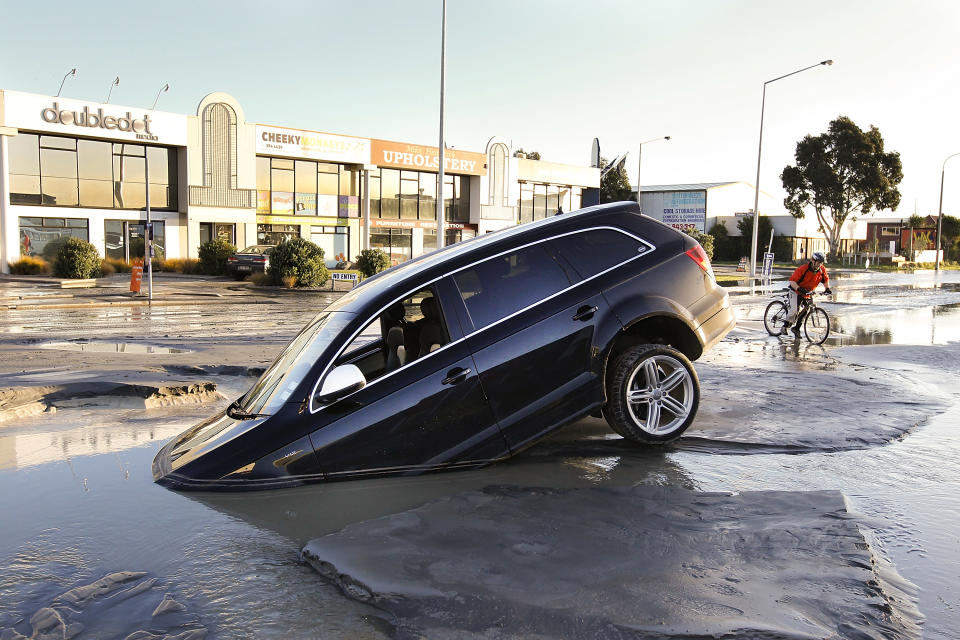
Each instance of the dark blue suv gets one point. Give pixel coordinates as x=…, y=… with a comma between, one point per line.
x=467, y=355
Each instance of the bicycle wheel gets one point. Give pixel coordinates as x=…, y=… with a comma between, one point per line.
x=817, y=326
x=775, y=318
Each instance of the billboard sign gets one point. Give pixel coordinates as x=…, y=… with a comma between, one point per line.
x=682, y=209
x=279, y=141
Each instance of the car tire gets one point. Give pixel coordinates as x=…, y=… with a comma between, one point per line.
x=651, y=381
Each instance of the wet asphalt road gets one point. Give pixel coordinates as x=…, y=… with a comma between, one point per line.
x=78, y=503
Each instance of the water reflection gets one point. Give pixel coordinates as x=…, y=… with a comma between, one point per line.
x=110, y=347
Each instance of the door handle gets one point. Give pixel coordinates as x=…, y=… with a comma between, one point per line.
x=585, y=313
x=455, y=376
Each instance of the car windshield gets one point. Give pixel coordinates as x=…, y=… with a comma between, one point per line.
x=279, y=381
x=257, y=249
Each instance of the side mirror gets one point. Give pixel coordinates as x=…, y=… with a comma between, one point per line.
x=340, y=382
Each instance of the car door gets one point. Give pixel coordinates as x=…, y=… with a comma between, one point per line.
x=428, y=413
x=531, y=332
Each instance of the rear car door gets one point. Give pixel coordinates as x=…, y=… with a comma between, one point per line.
x=427, y=413
x=531, y=329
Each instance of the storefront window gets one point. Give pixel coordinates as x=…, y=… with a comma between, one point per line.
x=390, y=194
x=24, y=153
x=526, y=202
x=335, y=242
x=43, y=237
x=223, y=231
x=375, y=193
x=538, y=201
x=123, y=239
x=305, y=181
x=409, y=194
x=69, y=172
x=397, y=243
x=276, y=233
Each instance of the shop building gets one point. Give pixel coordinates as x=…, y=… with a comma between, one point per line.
x=77, y=168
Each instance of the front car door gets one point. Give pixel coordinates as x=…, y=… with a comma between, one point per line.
x=418, y=414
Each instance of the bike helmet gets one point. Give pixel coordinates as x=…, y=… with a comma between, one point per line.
x=819, y=257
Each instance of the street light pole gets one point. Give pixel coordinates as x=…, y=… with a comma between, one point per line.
x=756, y=193
x=72, y=72
x=639, y=153
x=943, y=170
x=115, y=82
x=163, y=89
x=443, y=53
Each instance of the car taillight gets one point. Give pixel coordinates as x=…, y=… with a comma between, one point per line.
x=231, y=259
x=260, y=259
x=698, y=255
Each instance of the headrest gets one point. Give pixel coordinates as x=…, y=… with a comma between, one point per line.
x=429, y=308
x=394, y=313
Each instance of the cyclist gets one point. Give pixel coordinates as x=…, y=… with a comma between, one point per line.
x=805, y=279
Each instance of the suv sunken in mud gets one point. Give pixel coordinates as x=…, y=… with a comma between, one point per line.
x=467, y=355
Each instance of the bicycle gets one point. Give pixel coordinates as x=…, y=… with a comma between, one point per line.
x=816, y=322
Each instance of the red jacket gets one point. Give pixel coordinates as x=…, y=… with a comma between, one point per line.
x=808, y=278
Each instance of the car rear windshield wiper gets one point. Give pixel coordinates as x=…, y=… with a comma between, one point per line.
x=234, y=412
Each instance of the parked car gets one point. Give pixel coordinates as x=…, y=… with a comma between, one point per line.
x=467, y=355
x=251, y=259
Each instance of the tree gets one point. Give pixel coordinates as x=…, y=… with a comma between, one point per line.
x=950, y=233
x=531, y=155
x=615, y=185
x=840, y=172
x=781, y=245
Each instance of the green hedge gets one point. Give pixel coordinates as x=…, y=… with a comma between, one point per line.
x=372, y=261
x=213, y=256
x=77, y=258
x=298, y=260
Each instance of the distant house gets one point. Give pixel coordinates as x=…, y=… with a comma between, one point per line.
x=893, y=236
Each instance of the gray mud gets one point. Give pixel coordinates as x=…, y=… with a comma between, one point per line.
x=21, y=402
x=641, y=562
x=93, y=610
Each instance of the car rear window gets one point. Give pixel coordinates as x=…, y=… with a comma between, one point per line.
x=500, y=286
x=596, y=250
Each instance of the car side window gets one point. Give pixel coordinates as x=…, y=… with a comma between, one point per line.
x=500, y=286
x=596, y=250
x=403, y=332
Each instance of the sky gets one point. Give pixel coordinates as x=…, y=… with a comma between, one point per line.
x=547, y=75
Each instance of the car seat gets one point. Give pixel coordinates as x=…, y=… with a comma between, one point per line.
x=392, y=324
x=431, y=334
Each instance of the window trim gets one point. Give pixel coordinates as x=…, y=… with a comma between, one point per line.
x=650, y=248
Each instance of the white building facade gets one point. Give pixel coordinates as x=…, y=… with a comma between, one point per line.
x=84, y=169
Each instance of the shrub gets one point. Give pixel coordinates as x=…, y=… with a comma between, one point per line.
x=77, y=259
x=705, y=240
x=182, y=265
x=260, y=279
x=372, y=261
x=30, y=266
x=119, y=266
x=298, y=259
x=213, y=256
x=106, y=268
